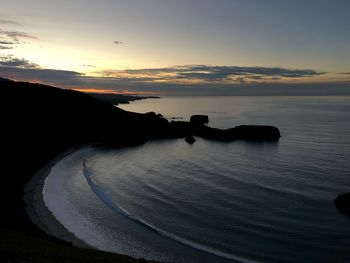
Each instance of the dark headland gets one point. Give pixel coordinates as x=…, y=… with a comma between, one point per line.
x=116, y=99
x=39, y=122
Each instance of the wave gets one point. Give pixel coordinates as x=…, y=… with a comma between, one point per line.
x=89, y=221
x=115, y=205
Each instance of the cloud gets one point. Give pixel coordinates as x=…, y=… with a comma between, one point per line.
x=5, y=47
x=61, y=78
x=16, y=35
x=10, y=61
x=180, y=80
x=9, y=39
x=89, y=66
x=241, y=80
x=4, y=42
x=10, y=22
x=223, y=72
x=24, y=70
x=210, y=74
x=118, y=42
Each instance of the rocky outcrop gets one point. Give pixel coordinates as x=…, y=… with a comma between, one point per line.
x=182, y=129
x=199, y=119
x=190, y=139
x=342, y=202
x=116, y=99
x=256, y=132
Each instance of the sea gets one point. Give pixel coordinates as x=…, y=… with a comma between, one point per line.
x=239, y=201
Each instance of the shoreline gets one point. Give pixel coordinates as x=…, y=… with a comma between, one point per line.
x=37, y=210
x=41, y=217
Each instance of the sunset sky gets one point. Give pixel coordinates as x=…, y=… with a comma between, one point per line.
x=177, y=47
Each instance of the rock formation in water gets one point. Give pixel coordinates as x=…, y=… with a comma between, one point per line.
x=342, y=202
x=190, y=139
x=199, y=119
x=244, y=132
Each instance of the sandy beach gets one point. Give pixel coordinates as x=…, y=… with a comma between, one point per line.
x=37, y=210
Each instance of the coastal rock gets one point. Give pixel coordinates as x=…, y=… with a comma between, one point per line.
x=116, y=99
x=256, y=132
x=342, y=202
x=183, y=129
x=199, y=119
x=179, y=129
x=190, y=139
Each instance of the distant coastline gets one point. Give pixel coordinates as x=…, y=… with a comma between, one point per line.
x=116, y=99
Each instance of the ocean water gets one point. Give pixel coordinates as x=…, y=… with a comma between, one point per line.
x=216, y=202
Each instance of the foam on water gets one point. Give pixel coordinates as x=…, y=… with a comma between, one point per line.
x=57, y=199
x=110, y=200
x=67, y=177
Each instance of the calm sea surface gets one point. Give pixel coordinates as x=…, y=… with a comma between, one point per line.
x=217, y=202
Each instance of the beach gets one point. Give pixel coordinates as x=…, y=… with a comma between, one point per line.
x=72, y=200
x=37, y=210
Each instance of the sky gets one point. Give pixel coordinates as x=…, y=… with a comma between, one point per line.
x=182, y=47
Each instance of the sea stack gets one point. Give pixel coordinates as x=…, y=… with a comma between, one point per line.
x=190, y=140
x=342, y=202
x=199, y=119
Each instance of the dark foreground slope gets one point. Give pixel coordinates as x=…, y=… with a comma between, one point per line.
x=37, y=123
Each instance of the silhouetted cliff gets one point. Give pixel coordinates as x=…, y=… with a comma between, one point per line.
x=116, y=99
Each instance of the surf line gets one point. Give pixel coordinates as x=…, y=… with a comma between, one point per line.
x=114, y=205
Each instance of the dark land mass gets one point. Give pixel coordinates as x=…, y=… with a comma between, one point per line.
x=3, y=79
x=116, y=99
x=39, y=122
